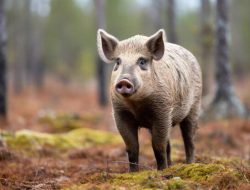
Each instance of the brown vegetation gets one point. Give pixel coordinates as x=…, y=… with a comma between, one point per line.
x=222, y=144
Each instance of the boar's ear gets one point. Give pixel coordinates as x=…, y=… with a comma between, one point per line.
x=155, y=44
x=106, y=45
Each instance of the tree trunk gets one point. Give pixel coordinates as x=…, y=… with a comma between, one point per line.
x=100, y=65
x=225, y=103
x=156, y=14
x=3, y=72
x=38, y=62
x=172, y=35
x=28, y=42
x=18, y=47
x=206, y=45
x=18, y=70
x=39, y=72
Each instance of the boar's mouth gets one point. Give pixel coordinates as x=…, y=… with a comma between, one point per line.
x=125, y=87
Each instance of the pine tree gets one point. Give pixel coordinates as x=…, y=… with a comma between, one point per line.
x=172, y=35
x=100, y=65
x=225, y=103
x=206, y=44
x=3, y=82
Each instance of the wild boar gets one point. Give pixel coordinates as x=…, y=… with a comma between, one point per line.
x=156, y=85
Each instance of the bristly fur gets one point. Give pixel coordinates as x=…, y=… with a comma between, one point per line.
x=168, y=93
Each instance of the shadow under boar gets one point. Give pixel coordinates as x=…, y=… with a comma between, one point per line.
x=156, y=85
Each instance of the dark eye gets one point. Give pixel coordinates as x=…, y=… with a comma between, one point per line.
x=117, y=63
x=142, y=63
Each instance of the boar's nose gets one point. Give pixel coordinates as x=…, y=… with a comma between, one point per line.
x=124, y=87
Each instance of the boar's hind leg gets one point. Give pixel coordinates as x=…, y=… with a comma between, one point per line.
x=169, y=153
x=188, y=127
x=129, y=131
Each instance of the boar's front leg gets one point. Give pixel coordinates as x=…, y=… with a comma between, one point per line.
x=160, y=136
x=128, y=129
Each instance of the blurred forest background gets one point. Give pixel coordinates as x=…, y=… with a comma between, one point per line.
x=57, y=38
x=57, y=128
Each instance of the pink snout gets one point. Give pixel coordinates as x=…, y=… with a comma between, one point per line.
x=124, y=87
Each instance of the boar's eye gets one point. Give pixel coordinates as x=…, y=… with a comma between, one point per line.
x=142, y=62
x=117, y=63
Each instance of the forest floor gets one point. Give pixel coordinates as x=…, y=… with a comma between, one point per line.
x=59, y=138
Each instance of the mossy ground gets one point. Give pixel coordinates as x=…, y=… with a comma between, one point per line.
x=208, y=173
x=32, y=141
x=180, y=176
x=63, y=122
x=61, y=150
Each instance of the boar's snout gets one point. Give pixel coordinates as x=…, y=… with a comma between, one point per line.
x=124, y=87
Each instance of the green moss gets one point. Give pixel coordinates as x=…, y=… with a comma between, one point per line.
x=78, y=138
x=177, y=184
x=181, y=176
x=196, y=172
x=147, y=180
x=135, y=181
x=61, y=122
x=133, y=178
